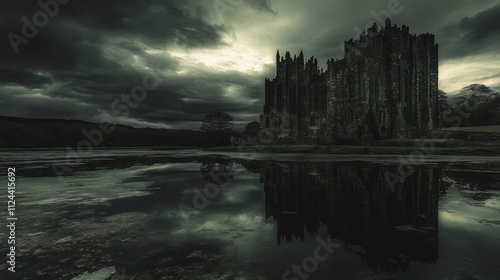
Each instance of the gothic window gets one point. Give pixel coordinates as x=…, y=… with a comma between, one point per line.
x=349, y=116
x=362, y=85
x=381, y=117
x=351, y=82
x=402, y=89
x=313, y=120
x=407, y=96
x=420, y=90
x=407, y=86
x=293, y=97
x=279, y=97
x=372, y=88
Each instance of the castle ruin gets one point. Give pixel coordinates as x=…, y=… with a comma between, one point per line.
x=385, y=87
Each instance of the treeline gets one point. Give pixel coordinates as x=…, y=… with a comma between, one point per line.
x=477, y=105
x=52, y=133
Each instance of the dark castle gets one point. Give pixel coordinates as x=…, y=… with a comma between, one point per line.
x=385, y=87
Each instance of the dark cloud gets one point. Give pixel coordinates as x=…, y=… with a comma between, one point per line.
x=24, y=78
x=91, y=53
x=472, y=35
x=262, y=5
x=89, y=49
x=482, y=25
x=16, y=103
x=151, y=21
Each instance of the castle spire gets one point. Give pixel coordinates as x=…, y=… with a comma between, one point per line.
x=277, y=62
x=388, y=22
x=301, y=59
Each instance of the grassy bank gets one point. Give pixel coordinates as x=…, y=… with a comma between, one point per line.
x=468, y=141
x=489, y=129
x=391, y=150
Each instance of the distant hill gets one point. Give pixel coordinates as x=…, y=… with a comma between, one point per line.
x=453, y=99
x=51, y=133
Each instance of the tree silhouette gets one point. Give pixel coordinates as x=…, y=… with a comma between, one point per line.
x=477, y=93
x=218, y=172
x=252, y=128
x=481, y=102
x=217, y=122
x=444, y=105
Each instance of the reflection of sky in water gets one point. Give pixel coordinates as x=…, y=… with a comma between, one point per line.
x=469, y=234
x=108, y=219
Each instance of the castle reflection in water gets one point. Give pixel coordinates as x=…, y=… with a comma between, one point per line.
x=388, y=226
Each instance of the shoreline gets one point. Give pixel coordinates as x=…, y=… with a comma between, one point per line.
x=366, y=150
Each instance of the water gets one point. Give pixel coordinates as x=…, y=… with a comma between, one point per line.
x=166, y=214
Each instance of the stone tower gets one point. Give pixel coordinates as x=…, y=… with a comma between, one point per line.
x=385, y=87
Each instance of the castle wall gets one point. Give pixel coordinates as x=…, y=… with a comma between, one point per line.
x=385, y=87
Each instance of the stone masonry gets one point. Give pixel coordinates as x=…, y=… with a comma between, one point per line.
x=385, y=87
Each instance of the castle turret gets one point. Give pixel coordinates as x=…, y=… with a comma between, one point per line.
x=278, y=62
x=388, y=22
x=385, y=87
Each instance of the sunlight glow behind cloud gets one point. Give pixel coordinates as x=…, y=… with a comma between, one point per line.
x=214, y=55
x=236, y=56
x=459, y=73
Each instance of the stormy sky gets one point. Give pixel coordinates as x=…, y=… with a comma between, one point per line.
x=208, y=55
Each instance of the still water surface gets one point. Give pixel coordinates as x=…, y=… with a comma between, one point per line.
x=165, y=214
